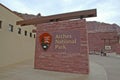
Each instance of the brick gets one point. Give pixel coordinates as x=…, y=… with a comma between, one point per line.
x=96, y=43
x=74, y=58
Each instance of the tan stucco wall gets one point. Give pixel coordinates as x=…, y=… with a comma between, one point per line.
x=14, y=47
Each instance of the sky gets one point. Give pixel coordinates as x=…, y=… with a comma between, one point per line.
x=107, y=10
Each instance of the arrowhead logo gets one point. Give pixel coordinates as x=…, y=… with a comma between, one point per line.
x=45, y=40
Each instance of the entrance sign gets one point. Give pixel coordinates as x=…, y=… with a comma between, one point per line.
x=61, y=43
x=62, y=46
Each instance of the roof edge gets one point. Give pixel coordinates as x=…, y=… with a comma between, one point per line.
x=10, y=10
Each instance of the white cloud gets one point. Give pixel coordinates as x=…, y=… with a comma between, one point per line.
x=17, y=6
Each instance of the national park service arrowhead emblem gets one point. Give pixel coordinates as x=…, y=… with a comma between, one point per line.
x=45, y=40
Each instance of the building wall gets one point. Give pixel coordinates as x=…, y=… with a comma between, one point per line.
x=98, y=41
x=14, y=47
x=103, y=34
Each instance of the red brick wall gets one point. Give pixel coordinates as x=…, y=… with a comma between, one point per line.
x=96, y=42
x=74, y=58
x=117, y=48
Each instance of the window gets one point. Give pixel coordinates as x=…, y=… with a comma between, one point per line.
x=19, y=30
x=0, y=24
x=25, y=33
x=10, y=28
x=30, y=34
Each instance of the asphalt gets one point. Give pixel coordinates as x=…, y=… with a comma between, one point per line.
x=25, y=71
x=110, y=63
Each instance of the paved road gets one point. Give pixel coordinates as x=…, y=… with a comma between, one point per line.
x=111, y=65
